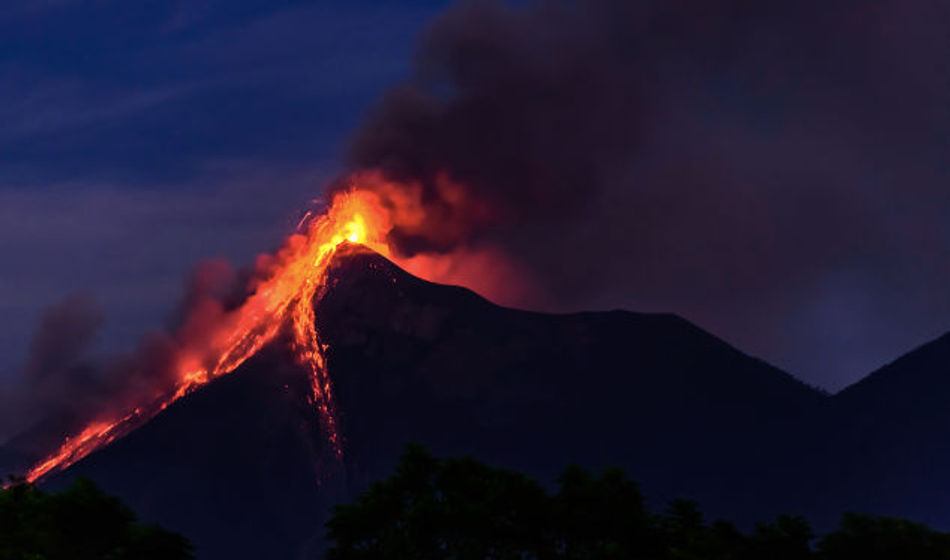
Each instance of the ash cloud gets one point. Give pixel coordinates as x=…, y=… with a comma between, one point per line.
x=65, y=384
x=60, y=382
x=65, y=331
x=772, y=170
x=526, y=112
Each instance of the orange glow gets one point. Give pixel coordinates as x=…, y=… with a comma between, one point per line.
x=505, y=283
x=296, y=279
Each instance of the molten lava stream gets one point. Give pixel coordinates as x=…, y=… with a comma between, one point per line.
x=296, y=280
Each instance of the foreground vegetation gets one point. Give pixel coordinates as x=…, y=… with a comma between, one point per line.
x=463, y=509
x=79, y=523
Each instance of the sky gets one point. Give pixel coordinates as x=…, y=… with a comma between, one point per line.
x=775, y=173
x=140, y=139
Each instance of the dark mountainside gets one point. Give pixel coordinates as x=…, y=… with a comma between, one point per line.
x=883, y=445
x=241, y=468
x=683, y=412
x=234, y=467
x=22, y=450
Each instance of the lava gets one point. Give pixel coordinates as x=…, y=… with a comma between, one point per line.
x=295, y=280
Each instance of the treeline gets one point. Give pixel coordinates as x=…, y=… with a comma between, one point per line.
x=463, y=509
x=79, y=523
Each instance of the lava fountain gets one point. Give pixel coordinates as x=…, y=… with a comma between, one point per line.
x=284, y=299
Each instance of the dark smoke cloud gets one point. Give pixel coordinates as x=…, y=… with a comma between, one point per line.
x=66, y=385
x=64, y=333
x=528, y=111
x=60, y=382
x=773, y=170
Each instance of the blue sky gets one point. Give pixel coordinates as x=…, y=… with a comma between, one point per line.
x=783, y=183
x=141, y=138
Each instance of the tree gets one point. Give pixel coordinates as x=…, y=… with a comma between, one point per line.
x=602, y=517
x=79, y=523
x=789, y=538
x=456, y=508
x=462, y=509
x=883, y=538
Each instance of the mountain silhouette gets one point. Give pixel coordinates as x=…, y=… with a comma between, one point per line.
x=241, y=466
x=682, y=411
x=882, y=445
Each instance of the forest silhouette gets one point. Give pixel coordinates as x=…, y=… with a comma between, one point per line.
x=79, y=523
x=460, y=508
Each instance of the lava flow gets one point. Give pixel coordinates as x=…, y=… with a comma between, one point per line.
x=285, y=298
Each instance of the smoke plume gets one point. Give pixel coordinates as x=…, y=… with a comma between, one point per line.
x=753, y=166
x=57, y=373
x=66, y=385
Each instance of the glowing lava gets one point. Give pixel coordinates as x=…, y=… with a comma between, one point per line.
x=296, y=279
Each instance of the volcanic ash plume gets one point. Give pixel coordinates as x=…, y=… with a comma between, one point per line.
x=758, y=167
x=514, y=121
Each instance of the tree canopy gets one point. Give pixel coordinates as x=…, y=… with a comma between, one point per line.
x=79, y=523
x=459, y=508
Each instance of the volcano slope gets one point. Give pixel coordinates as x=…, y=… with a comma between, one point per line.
x=882, y=445
x=242, y=468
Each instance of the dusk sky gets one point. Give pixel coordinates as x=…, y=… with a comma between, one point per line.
x=787, y=191
x=140, y=140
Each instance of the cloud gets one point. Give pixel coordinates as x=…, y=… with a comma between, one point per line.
x=761, y=168
x=54, y=106
x=65, y=331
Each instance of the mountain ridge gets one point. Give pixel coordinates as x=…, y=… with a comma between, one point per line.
x=242, y=466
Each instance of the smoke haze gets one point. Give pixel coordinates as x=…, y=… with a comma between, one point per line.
x=771, y=170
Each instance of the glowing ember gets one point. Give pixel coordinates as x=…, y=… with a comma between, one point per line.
x=296, y=280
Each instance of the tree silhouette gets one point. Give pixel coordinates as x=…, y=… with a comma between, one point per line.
x=883, y=538
x=601, y=517
x=789, y=538
x=456, y=508
x=79, y=523
x=462, y=509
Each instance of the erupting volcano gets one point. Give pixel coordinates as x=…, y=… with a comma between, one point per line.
x=282, y=298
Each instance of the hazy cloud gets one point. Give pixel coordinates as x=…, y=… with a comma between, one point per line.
x=774, y=171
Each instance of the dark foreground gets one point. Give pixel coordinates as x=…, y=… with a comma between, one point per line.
x=461, y=508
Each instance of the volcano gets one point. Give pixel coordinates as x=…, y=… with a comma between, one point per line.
x=243, y=468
